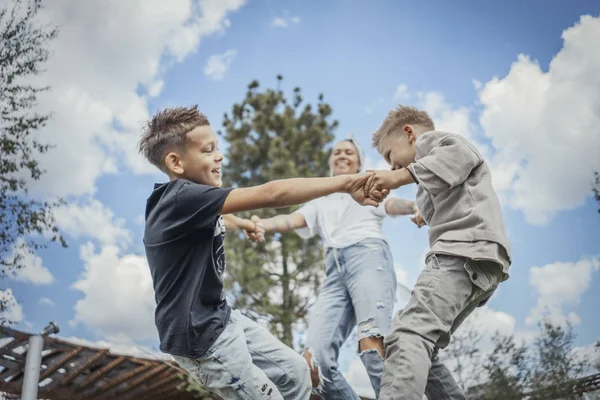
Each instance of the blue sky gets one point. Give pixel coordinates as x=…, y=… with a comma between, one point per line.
x=518, y=78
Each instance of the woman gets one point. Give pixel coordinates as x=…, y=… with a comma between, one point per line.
x=360, y=283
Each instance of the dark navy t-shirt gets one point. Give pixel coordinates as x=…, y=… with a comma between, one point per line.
x=184, y=247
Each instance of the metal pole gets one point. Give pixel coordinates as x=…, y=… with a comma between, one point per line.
x=32, y=367
x=34, y=361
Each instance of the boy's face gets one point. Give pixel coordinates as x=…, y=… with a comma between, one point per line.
x=344, y=159
x=201, y=161
x=398, y=147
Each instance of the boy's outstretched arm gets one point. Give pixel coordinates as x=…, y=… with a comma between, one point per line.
x=390, y=180
x=233, y=223
x=288, y=192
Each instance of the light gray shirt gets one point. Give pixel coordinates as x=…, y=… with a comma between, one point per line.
x=457, y=201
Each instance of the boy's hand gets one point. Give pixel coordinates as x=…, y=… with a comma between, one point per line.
x=356, y=189
x=417, y=219
x=258, y=234
x=380, y=180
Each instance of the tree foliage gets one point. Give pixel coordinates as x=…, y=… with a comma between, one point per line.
x=271, y=137
x=464, y=356
x=507, y=369
x=542, y=369
x=596, y=188
x=23, y=52
x=555, y=359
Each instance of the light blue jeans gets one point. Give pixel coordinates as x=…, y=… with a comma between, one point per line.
x=360, y=286
x=247, y=362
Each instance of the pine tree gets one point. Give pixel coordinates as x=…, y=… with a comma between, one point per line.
x=23, y=52
x=596, y=189
x=555, y=360
x=463, y=356
x=271, y=137
x=507, y=369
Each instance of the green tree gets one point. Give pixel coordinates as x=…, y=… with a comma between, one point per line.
x=271, y=137
x=555, y=361
x=597, y=356
x=596, y=189
x=544, y=369
x=23, y=52
x=191, y=385
x=463, y=356
x=507, y=369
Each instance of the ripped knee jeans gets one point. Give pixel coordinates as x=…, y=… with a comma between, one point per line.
x=358, y=293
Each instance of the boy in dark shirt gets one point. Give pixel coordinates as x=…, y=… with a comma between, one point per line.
x=226, y=352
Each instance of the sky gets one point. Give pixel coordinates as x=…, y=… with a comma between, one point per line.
x=519, y=79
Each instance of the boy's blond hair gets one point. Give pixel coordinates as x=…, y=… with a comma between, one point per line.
x=167, y=130
x=402, y=115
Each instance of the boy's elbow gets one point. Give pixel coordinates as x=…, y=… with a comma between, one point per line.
x=274, y=194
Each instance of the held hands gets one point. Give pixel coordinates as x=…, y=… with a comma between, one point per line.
x=258, y=233
x=358, y=190
x=379, y=181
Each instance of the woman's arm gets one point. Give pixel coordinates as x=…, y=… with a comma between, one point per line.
x=283, y=223
x=397, y=206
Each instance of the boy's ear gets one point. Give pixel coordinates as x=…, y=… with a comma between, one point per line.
x=410, y=133
x=174, y=163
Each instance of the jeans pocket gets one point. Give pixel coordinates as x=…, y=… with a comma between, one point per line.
x=432, y=261
x=482, y=275
x=194, y=368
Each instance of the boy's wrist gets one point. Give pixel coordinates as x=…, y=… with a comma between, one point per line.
x=401, y=177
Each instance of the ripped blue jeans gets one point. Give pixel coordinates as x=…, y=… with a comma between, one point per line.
x=360, y=286
x=248, y=362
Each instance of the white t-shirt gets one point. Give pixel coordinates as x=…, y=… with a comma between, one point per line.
x=341, y=221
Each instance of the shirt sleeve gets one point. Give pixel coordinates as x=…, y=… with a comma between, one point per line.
x=198, y=205
x=309, y=211
x=447, y=165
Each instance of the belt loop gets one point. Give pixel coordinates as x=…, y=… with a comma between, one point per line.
x=335, y=256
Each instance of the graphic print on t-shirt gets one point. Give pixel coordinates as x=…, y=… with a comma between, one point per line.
x=219, y=250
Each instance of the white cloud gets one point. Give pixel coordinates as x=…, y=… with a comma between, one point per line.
x=126, y=347
x=559, y=285
x=218, y=64
x=285, y=21
x=401, y=92
x=476, y=332
x=105, y=53
x=118, y=297
x=92, y=219
x=544, y=125
x=279, y=22
x=487, y=322
x=12, y=310
x=140, y=219
x=445, y=117
x=33, y=269
x=45, y=301
x=155, y=88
